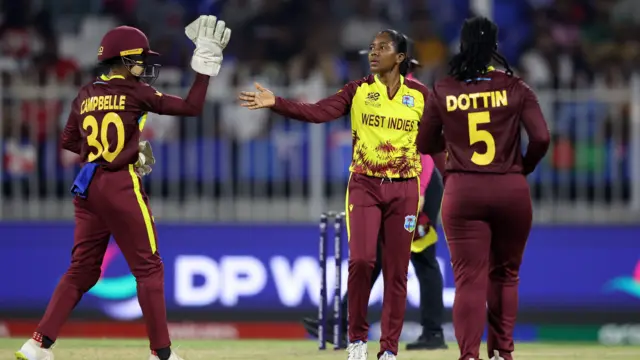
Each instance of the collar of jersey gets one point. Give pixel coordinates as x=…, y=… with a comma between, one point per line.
x=377, y=80
x=104, y=77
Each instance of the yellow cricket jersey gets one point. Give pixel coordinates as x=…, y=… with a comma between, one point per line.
x=384, y=129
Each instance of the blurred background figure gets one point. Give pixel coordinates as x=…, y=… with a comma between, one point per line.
x=237, y=194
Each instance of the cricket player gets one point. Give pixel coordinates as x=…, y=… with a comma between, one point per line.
x=383, y=190
x=425, y=263
x=104, y=127
x=477, y=112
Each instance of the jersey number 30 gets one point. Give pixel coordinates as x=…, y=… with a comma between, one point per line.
x=98, y=137
x=481, y=136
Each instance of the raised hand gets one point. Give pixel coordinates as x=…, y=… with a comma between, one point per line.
x=252, y=100
x=210, y=36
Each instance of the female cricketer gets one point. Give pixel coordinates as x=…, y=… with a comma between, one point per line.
x=486, y=209
x=425, y=263
x=383, y=190
x=104, y=128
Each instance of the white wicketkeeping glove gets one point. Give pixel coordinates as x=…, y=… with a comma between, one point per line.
x=211, y=36
x=145, y=159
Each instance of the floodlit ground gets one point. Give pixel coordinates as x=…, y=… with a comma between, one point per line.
x=111, y=349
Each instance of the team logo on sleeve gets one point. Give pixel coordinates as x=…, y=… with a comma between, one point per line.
x=408, y=101
x=410, y=222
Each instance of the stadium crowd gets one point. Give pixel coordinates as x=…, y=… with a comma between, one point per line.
x=312, y=47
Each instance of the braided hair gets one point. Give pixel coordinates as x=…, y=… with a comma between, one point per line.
x=478, y=47
x=402, y=44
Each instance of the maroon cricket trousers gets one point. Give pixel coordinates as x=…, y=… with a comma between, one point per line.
x=486, y=220
x=389, y=208
x=116, y=205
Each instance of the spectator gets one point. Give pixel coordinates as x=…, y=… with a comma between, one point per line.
x=316, y=64
x=161, y=19
x=237, y=13
x=429, y=48
x=271, y=31
x=541, y=63
x=359, y=28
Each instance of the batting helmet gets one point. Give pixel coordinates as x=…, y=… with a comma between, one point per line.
x=132, y=47
x=124, y=41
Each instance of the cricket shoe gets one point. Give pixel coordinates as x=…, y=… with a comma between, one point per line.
x=33, y=350
x=357, y=351
x=496, y=355
x=429, y=341
x=387, y=355
x=173, y=356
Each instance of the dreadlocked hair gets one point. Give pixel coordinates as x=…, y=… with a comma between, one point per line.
x=402, y=46
x=478, y=47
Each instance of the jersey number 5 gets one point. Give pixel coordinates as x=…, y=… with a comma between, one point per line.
x=476, y=136
x=98, y=137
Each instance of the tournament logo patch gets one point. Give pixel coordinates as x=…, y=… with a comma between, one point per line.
x=410, y=222
x=408, y=101
x=372, y=99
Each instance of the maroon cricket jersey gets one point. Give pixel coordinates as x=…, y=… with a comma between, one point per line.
x=109, y=114
x=478, y=124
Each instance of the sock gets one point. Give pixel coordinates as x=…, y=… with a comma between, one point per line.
x=163, y=354
x=45, y=341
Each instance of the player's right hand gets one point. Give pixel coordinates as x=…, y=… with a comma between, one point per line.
x=252, y=100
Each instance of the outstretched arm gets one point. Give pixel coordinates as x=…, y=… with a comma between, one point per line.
x=327, y=109
x=210, y=36
x=192, y=105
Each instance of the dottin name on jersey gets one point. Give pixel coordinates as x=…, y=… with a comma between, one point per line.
x=103, y=102
x=480, y=100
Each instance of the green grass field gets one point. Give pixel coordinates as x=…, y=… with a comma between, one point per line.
x=113, y=349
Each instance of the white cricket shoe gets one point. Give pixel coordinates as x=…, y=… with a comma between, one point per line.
x=173, y=356
x=357, y=351
x=496, y=355
x=31, y=350
x=387, y=356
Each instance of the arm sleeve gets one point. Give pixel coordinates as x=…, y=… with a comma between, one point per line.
x=427, y=170
x=430, y=139
x=163, y=104
x=537, y=131
x=71, y=138
x=325, y=110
